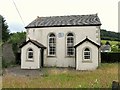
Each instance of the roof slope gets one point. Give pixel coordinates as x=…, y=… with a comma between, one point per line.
x=72, y=20
x=87, y=39
x=39, y=45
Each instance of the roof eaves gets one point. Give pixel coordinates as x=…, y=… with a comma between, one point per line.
x=39, y=46
x=62, y=26
x=86, y=40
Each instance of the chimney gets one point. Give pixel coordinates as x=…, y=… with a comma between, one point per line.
x=37, y=16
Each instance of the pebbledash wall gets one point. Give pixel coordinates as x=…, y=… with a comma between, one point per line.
x=29, y=64
x=61, y=59
x=92, y=64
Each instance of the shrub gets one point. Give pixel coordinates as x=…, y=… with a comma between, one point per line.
x=107, y=57
x=6, y=64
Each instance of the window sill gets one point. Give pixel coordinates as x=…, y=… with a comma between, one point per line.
x=69, y=56
x=30, y=60
x=89, y=61
x=51, y=56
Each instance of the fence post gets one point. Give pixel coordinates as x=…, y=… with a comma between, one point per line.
x=115, y=85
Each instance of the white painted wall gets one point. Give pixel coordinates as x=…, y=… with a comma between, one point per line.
x=61, y=60
x=35, y=64
x=80, y=64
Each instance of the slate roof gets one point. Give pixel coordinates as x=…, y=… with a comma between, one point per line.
x=71, y=20
x=39, y=45
x=105, y=47
x=87, y=39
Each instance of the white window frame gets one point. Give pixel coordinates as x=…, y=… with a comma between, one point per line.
x=53, y=45
x=70, y=45
x=28, y=54
x=89, y=55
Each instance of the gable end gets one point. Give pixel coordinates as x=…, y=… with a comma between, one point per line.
x=88, y=41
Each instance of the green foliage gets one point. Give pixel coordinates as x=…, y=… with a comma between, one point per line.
x=107, y=43
x=4, y=64
x=109, y=35
x=16, y=39
x=5, y=30
x=114, y=48
x=111, y=42
x=118, y=44
x=115, y=45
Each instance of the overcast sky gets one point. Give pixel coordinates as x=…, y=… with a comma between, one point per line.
x=29, y=9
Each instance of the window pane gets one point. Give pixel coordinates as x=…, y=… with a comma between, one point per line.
x=70, y=44
x=30, y=49
x=87, y=53
x=70, y=34
x=52, y=44
x=30, y=54
x=87, y=49
x=50, y=52
x=50, y=40
x=70, y=51
x=87, y=57
x=52, y=35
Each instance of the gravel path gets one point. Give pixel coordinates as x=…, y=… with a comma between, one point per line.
x=22, y=72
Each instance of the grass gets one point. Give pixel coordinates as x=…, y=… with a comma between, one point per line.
x=66, y=78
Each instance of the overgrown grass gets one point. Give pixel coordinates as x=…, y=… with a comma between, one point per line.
x=66, y=78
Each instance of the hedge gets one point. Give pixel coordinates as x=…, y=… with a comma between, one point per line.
x=110, y=57
x=18, y=58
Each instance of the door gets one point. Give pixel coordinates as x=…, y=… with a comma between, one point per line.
x=42, y=57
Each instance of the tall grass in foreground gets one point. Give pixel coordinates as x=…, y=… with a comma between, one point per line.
x=66, y=78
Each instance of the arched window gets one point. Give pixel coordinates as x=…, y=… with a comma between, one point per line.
x=87, y=54
x=30, y=54
x=70, y=44
x=52, y=44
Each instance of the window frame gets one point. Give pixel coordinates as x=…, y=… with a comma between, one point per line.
x=52, y=43
x=70, y=46
x=84, y=59
x=30, y=59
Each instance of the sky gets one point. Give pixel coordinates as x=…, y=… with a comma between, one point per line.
x=107, y=11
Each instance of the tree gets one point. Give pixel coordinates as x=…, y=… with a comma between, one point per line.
x=5, y=30
x=114, y=48
x=109, y=35
x=16, y=39
x=107, y=43
x=118, y=45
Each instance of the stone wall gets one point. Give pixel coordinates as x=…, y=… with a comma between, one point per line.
x=8, y=54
